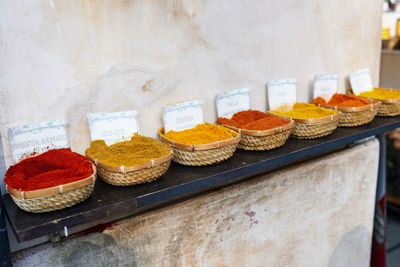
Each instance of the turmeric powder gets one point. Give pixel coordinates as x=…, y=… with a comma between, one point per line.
x=342, y=100
x=381, y=93
x=200, y=134
x=138, y=150
x=305, y=111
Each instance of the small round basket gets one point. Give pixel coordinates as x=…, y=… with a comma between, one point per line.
x=389, y=107
x=56, y=197
x=201, y=155
x=263, y=140
x=132, y=175
x=356, y=116
x=313, y=128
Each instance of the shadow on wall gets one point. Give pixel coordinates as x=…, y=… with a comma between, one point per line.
x=348, y=251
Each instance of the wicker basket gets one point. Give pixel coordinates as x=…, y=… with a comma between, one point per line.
x=313, y=128
x=54, y=198
x=356, y=116
x=138, y=174
x=389, y=107
x=201, y=155
x=263, y=140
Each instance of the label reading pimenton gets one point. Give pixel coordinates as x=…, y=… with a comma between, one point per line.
x=360, y=81
x=325, y=85
x=282, y=93
x=113, y=127
x=33, y=139
x=230, y=102
x=182, y=116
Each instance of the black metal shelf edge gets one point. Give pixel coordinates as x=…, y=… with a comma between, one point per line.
x=180, y=181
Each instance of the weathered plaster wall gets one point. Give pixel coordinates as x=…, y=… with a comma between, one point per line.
x=66, y=58
x=318, y=213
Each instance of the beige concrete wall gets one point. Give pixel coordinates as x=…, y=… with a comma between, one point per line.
x=390, y=66
x=318, y=213
x=62, y=59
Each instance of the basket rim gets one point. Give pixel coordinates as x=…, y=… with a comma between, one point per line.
x=202, y=147
x=63, y=188
x=329, y=118
x=125, y=169
x=271, y=131
x=369, y=107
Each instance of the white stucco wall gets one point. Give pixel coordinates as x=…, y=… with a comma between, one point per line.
x=62, y=59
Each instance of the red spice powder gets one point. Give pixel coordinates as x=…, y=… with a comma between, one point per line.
x=253, y=120
x=342, y=100
x=52, y=168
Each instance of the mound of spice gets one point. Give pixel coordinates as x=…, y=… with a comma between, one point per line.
x=200, y=134
x=305, y=111
x=52, y=168
x=381, y=93
x=253, y=120
x=342, y=100
x=138, y=150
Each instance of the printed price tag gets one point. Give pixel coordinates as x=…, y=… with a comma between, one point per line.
x=282, y=93
x=182, y=116
x=361, y=81
x=37, y=138
x=230, y=102
x=325, y=85
x=113, y=127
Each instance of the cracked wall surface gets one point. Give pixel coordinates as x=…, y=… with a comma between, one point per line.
x=317, y=213
x=62, y=59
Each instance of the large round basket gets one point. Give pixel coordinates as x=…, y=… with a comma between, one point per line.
x=263, y=140
x=356, y=116
x=56, y=197
x=132, y=175
x=314, y=128
x=201, y=155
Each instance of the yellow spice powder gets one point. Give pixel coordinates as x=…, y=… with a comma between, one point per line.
x=200, y=134
x=381, y=93
x=138, y=150
x=305, y=111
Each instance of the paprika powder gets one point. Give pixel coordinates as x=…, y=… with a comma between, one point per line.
x=253, y=120
x=52, y=168
x=342, y=100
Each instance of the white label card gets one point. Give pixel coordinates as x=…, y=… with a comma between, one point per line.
x=282, y=93
x=37, y=138
x=230, y=102
x=361, y=81
x=113, y=127
x=325, y=85
x=182, y=116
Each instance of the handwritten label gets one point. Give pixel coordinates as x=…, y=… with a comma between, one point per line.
x=37, y=138
x=230, y=102
x=325, y=85
x=113, y=127
x=361, y=81
x=282, y=93
x=182, y=116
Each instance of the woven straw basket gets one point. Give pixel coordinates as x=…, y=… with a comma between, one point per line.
x=138, y=174
x=263, y=140
x=314, y=128
x=54, y=198
x=201, y=155
x=389, y=107
x=356, y=116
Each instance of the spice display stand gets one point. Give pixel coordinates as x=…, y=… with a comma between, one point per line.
x=110, y=203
